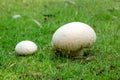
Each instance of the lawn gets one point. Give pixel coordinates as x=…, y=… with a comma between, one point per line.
x=102, y=62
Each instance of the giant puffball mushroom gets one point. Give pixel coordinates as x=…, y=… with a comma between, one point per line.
x=25, y=47
x=71, y=38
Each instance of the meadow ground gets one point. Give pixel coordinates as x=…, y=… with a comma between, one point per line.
x=104, y=57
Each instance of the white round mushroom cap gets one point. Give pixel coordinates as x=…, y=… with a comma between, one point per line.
x=26, y=47
x=73, y=36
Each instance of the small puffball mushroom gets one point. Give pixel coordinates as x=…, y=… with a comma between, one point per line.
x=71, y=38
x=26, y=47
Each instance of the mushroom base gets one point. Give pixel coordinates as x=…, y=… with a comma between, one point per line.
x=71, y=54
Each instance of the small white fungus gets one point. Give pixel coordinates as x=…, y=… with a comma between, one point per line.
x=17, y=16
x=26, y=47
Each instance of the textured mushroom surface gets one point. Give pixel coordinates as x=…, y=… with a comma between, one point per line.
x=72, y=37
x=26, y=47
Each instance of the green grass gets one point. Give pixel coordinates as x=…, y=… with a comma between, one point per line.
x=102, y=15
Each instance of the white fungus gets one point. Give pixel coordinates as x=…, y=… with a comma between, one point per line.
x=26, y=47
x=17, y=16
x=71, y=38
